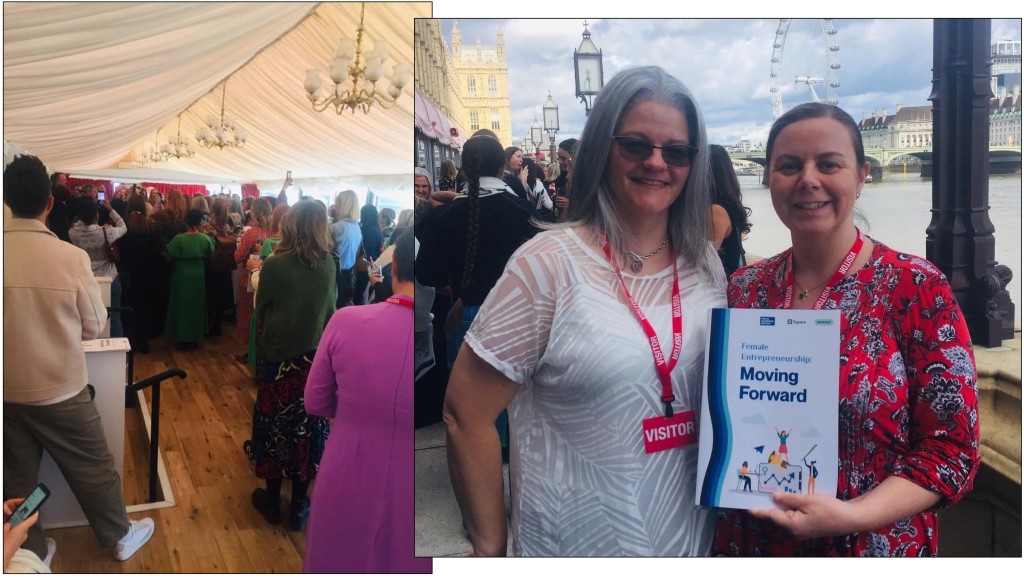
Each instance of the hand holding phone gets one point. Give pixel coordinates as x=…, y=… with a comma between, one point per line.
x=30, y=506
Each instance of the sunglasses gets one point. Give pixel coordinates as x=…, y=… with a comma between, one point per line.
x=637, y=149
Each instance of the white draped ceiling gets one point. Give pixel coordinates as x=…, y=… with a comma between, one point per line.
x=88, y=85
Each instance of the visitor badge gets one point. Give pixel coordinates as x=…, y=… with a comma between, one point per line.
x=661, y=433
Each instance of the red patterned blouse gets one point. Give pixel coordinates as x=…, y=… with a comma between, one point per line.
x=908, y=400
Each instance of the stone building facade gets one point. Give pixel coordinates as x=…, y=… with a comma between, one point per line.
x=435, y=76
x=911, y=126
x=482, y=80
x=1004, y=118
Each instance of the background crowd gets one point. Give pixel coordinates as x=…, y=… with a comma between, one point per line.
x=290, y=278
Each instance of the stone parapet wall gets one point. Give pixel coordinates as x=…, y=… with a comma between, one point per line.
x=988, y=520
x=999, y=393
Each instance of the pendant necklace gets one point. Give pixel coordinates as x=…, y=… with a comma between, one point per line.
x=803, y=292
x=637, y=263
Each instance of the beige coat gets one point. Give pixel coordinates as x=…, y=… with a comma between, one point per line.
x=52, y=303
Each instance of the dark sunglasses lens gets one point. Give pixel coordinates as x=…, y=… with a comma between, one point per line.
x=677, y=156
x=635, y=150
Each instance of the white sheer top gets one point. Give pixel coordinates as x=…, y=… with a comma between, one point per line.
x=558, y=323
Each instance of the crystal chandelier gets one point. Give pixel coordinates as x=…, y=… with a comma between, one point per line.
x=175, y=148
x=346, y=66
x=222, y=133
x=151, y=155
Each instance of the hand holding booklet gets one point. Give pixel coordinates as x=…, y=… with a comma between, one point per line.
x=770, y=415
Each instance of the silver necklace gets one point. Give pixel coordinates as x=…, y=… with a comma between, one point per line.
x=638, y=262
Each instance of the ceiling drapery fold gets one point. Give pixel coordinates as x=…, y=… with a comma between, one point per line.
x=88, y=85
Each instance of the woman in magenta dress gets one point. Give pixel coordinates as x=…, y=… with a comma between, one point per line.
x=361, y=516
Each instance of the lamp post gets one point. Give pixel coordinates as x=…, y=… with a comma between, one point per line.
x=587, y=60
x=551, y=122
x=537, y=136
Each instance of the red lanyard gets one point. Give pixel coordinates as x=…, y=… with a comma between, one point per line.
x=841, y=272
x=664, y=367
x=400, y=300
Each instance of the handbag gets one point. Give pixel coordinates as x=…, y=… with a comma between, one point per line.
x=362, y=261
x=113, y=251
x=223, y=253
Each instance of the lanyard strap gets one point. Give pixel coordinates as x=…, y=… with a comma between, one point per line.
x=841, y=272
x=400, y=300
x=664, y=367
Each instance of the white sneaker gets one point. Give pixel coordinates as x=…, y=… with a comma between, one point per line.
x=139, y=532
x=51, y=549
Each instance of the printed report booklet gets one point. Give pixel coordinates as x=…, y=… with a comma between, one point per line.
x=770, y=415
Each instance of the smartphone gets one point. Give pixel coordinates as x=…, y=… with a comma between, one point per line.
x=101, y=196
x=31, y=505
x=289, y=175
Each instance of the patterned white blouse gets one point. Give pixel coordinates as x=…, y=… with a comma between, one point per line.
x=558, y=323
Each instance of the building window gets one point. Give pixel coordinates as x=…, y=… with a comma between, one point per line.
x=474, y=120
x=495, y=121
x=471, y=85
x=492, y=86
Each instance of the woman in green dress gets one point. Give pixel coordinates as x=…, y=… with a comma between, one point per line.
x=186, y=313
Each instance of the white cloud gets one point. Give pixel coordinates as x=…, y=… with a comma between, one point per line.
x=725, y=63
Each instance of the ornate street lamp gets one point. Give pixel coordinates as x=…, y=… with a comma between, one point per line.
x=537, y=136
x=587, y=60
x=551, y=122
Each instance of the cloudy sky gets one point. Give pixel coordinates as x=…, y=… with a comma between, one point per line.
x=725, y=63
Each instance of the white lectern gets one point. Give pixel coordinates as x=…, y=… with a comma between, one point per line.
x=105, y=292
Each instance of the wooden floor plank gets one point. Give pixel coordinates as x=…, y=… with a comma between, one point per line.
x=204, y=421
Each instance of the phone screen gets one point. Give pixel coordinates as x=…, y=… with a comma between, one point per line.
x=32, y=503
x=101, y=196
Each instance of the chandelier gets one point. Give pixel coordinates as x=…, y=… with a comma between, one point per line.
x=174, y=148
x=222, y=133
x=151, y=155
x=346, y=66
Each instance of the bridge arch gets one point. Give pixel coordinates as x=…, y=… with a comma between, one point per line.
x=1002, y=162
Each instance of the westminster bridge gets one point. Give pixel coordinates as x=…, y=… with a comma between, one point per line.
x=917, y=160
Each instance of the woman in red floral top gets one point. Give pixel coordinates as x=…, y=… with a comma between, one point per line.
x=908, y=403
x=251, y=242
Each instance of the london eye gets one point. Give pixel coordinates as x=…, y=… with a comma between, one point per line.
x=805, y=64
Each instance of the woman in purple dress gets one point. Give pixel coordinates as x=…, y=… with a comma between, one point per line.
x=361, y=516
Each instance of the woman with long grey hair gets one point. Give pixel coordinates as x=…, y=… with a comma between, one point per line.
x=593, y=339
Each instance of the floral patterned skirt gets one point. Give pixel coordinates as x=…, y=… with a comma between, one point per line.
x=286, y=441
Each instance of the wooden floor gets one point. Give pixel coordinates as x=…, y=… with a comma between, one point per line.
x=204, y=421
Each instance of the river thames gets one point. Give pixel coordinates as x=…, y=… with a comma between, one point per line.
x=898, y=210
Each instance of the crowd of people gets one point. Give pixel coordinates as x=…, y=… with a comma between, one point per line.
x=326, y=340
x=575, y=300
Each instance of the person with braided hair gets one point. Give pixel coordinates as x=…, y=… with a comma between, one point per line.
x=466, y=243
x=496, y=222
x=593, y=339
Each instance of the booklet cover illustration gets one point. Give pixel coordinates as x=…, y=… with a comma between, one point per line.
x=770, y=416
